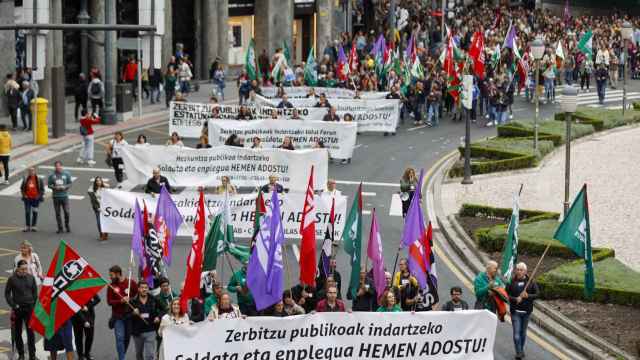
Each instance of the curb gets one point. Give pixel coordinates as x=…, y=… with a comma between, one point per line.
x=547, y=318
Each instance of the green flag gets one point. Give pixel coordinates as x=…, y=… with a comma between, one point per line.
x=219, y=240
x=310, y=73
x=253, y=71
x=585, y=45
x=287, y=52
x=352, y=237
x=510, y=251
x=575, y=233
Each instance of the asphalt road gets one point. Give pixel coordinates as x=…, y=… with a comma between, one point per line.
x=378, y=161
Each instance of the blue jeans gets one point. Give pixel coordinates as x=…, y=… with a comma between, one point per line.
x=184, y=86
x=602, y=86
x=501, y=117
x=31, y=212
x=122, y=331
x=433, y=113
x=549, y=89
x=145, y=344
x=98, y=221
x=86, y=153
x=155, y=95
x=519, y=322
x=568, y=76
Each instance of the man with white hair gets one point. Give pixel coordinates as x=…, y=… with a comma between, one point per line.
x=487, y=286
x=522, y=292
x=26, y=95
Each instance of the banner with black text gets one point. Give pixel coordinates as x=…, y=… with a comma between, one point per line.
x=338, y=137
x=465, y=335
x=116, y=215
x=245, y=167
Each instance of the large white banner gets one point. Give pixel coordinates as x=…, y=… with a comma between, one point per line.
x=380, y=115
x=188, y=119
x=245, y=167
x=465, y=335
x=303, y=91
x=117, y=211
x=338, y=137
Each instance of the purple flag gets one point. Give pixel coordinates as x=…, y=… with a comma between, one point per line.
x=379, y=46
x=265, y=273
x=137, y=237
x=409, y=52
x=374, y=252
x=510, y=40
x=167, y=220
x=412, y=236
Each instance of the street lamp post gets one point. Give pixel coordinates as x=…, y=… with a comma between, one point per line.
x=537, y=50
x=568, y=105
x=627, y=33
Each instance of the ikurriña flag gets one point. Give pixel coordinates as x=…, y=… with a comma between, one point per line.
x=69, y=284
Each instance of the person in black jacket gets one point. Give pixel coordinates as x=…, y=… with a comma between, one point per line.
x=155, y=183
x=155, y=79
x=81, y=94
x=366, y=298
x=21, y=294
x=83, y=327
x=12, y=92
x=522, y=294
x=144, y=323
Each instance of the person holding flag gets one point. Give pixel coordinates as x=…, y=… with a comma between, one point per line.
x=522, y=292
x=119, y=292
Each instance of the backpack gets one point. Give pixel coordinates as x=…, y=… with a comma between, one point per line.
x=95, y=88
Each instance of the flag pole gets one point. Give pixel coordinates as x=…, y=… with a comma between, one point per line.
x=535, y=270
x=130, y=272
x=125, y=300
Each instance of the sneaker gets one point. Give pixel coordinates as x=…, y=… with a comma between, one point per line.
x=6, y=182
x=27, y=229
x=490, y=124
x=511, y=117
x=343, y=162
x=91, y=162
x=79, y=160
x=68, y=229
x=34, y=229
x=59, y=231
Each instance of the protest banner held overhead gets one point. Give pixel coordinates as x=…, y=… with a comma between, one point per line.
x=118, y=210
x=467, y=335
x=303, y=91
x=205, y=167
x=338, y=138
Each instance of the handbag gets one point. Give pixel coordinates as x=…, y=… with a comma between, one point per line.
x=109, y=160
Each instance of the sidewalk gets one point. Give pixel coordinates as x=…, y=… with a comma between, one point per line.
x=25, y=153
x=605, y=162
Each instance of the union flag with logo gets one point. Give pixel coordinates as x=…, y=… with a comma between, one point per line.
x=68, y=286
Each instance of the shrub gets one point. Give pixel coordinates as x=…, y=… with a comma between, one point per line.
x=615, y=282
x=474, y=210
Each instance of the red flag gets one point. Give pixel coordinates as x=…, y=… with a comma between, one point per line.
x=308, y=232
x=191, y=288
x=476, y=53
x=449, y=65
x=523, y=70
x=69, y=285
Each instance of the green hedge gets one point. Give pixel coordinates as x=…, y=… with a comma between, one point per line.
x=548, y=130
x=615, y=282
x=475, y=210
x=636, y=105
x=502, y=154
x=602, y=119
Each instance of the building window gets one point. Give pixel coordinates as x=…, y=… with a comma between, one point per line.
x=237, y=36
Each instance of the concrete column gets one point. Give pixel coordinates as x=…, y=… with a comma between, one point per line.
x=273, y=24
x=7, y=47
x=324, y=25
x=209, y=35
x=83, y=18
x=198, y=43
x=56, y=18
x=167, y=38
x=223, y=30
x=96, y=43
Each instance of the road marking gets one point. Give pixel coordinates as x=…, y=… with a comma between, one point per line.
x=4, y=312
x=357, y=146
x=3, y=279
x=90, y=169
x=8, y=231
x=395, y=209
x=417, y=127
x=366, y=212
x=153, y=130
x=365, y=193
x=348, y=182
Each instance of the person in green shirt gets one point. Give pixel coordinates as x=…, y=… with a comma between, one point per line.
x=169, y=85
x=165, y=295
x=238, y=285
x=214, y=298
x=388, y=303
x=486, y=285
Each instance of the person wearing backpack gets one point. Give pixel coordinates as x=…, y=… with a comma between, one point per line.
x=95, y=90
x=86, y=130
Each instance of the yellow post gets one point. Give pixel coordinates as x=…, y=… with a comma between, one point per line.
x=40, y=109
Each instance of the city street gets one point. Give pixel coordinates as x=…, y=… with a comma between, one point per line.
x=378, y=162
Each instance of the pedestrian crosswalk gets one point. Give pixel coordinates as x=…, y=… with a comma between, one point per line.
x=590, y=98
